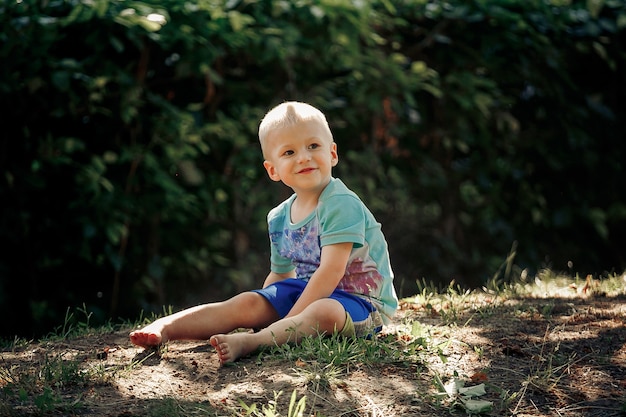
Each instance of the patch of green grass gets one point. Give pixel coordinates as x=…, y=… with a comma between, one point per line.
x=323, y=363
x=42, y=385
x=340, y=351
x=296, y=407
x=14, y=344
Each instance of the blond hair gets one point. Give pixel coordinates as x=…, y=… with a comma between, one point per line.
x=288, y=114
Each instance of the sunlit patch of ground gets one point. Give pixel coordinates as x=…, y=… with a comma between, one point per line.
x=549, y=350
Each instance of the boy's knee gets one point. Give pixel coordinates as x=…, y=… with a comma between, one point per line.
x=330, y=314
x=255, y=306
x=257, y=303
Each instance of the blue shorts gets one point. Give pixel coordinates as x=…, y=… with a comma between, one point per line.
x=362, y=318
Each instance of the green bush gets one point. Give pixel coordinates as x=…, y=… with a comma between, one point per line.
x=131, y=176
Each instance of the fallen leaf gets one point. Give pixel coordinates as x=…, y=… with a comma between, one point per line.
x=479, y=377
x=477, y=406
x=474, y=391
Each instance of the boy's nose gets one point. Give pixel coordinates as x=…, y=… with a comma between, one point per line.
x=304, y=156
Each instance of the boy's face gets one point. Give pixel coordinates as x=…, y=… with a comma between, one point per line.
x=301, y=156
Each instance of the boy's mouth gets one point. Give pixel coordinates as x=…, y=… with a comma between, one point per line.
x=306, y=170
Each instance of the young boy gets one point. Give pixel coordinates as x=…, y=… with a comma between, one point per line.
x=330, y=267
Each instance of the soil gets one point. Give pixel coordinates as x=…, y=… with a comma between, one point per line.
x=562, y=356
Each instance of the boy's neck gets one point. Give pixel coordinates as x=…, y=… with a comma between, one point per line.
x=304, y=203
x=302, y=206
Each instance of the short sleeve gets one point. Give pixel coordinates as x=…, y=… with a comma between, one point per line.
x=279, y=264
x=342, y=219
x=275, y=221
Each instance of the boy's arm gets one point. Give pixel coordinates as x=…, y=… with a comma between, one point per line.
x=324, y=281
x=273, y=277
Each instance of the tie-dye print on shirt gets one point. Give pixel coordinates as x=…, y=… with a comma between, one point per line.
x=301, y=246
x=340, y=217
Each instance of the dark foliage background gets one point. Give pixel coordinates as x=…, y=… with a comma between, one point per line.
x=131, y=178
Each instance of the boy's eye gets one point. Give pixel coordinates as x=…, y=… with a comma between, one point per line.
x=314, y=146
x=287, y=153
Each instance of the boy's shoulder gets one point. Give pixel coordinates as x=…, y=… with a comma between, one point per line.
x=338, y=199
x=336, y=187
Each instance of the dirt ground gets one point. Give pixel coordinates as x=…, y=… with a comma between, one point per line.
x=535, y=357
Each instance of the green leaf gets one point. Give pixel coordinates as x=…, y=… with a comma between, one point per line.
x=477, y=406
x=595, y=7
x=149, y=24
x=238, y=21
x=475, y=391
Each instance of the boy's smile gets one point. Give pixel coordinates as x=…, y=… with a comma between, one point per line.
x=305, y=170
x=301, y=156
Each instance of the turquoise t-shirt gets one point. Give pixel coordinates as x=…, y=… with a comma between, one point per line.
x=340, y=217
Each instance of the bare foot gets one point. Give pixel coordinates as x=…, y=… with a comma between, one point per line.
x=231, y=347
x=150, y=336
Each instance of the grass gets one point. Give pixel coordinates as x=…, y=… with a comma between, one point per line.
x=324, y=360
x=296, y=407
x=41, y=384
x=52, y=382
x=44, y=383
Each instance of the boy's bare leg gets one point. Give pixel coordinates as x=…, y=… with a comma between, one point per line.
x=247, y=309
x=324, y=315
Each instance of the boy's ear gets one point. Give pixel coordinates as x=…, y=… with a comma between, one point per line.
x=271, y=171
x=334, y=155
